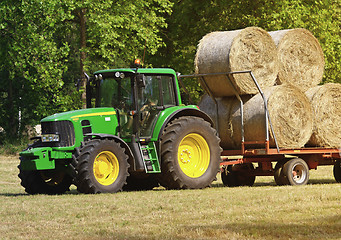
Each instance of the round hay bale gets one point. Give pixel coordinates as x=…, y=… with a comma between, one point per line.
x=301, y=59
x=251, y=48
x=225, y=128
x=326, y=103
x=290, y=112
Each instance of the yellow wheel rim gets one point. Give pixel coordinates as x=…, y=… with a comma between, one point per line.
x=193, y=155
x=106, y=168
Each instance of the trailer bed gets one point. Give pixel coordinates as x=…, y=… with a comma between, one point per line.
x=240, y=167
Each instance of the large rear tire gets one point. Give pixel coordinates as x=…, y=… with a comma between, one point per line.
x=337, y=171
x=101, y=167
x=190, y=154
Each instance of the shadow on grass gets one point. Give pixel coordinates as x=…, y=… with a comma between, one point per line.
x=317, y=228
x=71, y=192
x=322, y=181
x=13, y=194
x=160, y=188
x=272, y=183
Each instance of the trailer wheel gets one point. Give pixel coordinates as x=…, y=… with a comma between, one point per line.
x=278, y=175
x=337, y=171
x=101, y=167
x=45, y=181
x=295, y=172
x=238, y=175
x=228, y=177
x=190, y=154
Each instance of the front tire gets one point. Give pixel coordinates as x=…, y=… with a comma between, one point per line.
x=190, y=154
x=102, y=167
x=45, y=181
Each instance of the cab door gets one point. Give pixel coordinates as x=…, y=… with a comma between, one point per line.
x=155, y=96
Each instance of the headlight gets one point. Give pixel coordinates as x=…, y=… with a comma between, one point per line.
x=50, y=138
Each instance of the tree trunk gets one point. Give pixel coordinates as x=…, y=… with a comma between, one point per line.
x=82, y=21
x=12, y=126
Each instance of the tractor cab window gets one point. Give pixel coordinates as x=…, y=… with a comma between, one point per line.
x=157, y=94
x=168, y=91
x=149, y=94
x=115, y=92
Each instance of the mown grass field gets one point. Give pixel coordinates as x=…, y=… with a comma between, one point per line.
x=264, y=211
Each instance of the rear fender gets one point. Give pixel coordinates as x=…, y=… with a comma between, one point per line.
x=185, y=112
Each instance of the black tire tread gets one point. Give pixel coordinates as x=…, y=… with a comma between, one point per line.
x=287, y=175
x=337, y=171
x=81, y=162
x=169, y=176
x=34, y=184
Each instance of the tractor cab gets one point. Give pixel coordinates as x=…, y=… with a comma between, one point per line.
x=138, y=96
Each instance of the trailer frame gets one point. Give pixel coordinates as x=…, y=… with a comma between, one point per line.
x=237, y=165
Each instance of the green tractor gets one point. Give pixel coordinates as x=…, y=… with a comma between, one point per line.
x=135, y=134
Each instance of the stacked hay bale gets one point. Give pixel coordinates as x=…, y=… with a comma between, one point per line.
x=302, y=63
x=290, y=112
x=301, y=67
x=251, y=48
x=326, y=103
x=300, y=57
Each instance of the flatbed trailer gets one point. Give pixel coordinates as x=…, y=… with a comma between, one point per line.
x=288, y=166
x=291, y=165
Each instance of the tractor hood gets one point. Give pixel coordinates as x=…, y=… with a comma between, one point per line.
x=80, y=114
x=76, y=126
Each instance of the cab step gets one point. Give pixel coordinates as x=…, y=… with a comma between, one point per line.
x=150, y=157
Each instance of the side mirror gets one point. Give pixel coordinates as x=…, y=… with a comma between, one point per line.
x=140, y=80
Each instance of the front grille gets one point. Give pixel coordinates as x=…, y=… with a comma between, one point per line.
x=64, y=129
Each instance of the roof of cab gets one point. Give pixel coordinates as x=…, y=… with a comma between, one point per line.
x=139, y=70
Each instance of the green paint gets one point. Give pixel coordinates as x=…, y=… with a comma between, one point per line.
x=37, y=159
x=102, y=120
x=164, y=115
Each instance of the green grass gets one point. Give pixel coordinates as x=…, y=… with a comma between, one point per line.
x=264, y=211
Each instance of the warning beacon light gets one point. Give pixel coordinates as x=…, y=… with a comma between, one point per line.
x=137, y=62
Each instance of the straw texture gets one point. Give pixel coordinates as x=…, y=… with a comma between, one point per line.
x=290, y=113
x=301, y=59
x=326, y=103
x=251, y=48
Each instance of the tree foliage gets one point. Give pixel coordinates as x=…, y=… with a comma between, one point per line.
x=42, y=52
x=191, y=20
x=32, y=63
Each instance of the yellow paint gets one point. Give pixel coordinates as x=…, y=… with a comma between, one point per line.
x=94, y=114
x=106, y=168
x=193, y=155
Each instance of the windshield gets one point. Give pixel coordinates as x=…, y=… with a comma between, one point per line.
x=115, y=92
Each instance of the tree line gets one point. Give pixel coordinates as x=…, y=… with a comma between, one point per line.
x=45, y=46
